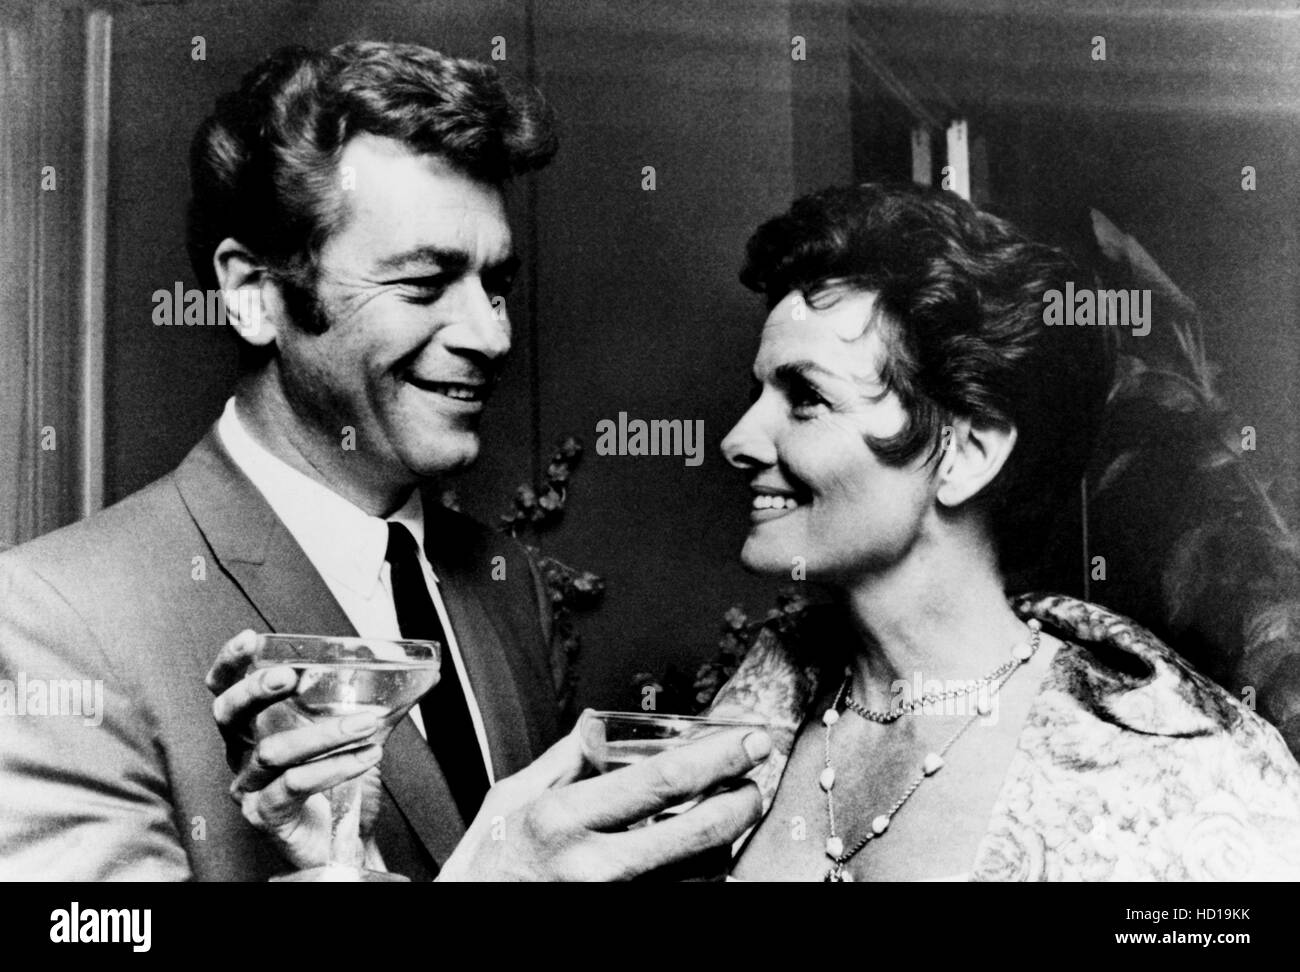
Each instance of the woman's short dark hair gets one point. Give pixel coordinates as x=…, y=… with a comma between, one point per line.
x=960, y=295
x=263, y=165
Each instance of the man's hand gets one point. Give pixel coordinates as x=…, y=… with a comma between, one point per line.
x=541, y=825
x=279, y=759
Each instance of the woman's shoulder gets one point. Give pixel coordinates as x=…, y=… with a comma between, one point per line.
x=1132, y=766
x=1114, y=667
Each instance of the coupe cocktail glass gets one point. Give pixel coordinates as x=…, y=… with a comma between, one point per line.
x=612, y=740
x=341, y=677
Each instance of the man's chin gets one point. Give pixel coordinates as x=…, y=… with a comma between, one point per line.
x=437, y=463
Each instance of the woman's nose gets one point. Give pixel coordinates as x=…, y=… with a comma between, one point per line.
x=747, y=445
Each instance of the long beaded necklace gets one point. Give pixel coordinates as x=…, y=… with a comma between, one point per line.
x=933, y=762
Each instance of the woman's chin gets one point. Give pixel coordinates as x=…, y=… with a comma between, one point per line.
x=758, y=558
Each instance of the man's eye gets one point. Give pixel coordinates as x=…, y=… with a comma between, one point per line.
x=422, y=290
x=498, y=284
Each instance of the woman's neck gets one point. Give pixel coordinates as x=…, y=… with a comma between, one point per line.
x=940, y=615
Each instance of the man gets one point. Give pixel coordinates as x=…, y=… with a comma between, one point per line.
x=350, y=207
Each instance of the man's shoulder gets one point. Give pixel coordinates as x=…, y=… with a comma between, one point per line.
x=464, y=543
x=130, y=534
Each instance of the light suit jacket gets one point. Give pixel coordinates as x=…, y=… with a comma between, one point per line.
x=138, y=599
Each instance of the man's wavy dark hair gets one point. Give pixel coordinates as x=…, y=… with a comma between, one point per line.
x=263, y=165
x=960, y=310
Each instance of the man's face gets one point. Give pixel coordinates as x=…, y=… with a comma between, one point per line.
x=412, y=344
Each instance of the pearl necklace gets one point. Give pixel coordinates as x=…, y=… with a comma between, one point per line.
x=933, y=761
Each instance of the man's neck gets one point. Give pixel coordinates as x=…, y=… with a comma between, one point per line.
x=940, y=613
x=266, y=415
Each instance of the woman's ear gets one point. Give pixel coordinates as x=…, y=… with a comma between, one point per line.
x=250, y=296
x=971, y=457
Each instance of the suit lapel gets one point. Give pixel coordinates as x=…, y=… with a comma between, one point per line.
x=414, y=780
x=483, y=650
x=254, y=547
x=273, y=572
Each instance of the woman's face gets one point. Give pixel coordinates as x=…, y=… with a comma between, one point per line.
x=821, y=499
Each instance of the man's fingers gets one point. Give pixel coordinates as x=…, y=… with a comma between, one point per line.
x=645, y=788
x=714, y=822
x=237, y=707
x=280, y=803
x=231, y=661
x=280, y=754
x=558, y=766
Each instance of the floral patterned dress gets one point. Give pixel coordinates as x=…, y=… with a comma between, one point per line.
x=1130, y=766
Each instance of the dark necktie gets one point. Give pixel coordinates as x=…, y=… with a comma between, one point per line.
x=446, y=713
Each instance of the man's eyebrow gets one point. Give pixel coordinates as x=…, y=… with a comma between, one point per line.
x=445, y=259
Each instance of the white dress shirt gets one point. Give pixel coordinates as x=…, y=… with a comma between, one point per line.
x=347, y=545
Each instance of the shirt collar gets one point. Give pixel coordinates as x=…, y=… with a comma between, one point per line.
x=343, y=542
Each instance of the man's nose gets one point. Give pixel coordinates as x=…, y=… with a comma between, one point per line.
x=748, y=445
x=477, y=322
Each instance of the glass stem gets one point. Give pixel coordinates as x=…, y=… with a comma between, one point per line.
x=346, y=849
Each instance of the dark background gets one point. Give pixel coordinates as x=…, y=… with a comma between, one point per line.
x=630, y=302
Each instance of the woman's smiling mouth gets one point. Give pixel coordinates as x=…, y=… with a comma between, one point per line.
x=769, y=505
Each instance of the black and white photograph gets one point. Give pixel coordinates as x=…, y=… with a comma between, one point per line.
x=735, y=441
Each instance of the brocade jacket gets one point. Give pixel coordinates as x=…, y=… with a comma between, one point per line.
x=1131, y=766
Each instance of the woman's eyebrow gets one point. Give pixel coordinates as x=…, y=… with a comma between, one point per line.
x=801, y=371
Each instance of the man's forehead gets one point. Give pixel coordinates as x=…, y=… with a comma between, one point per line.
x=402, y=202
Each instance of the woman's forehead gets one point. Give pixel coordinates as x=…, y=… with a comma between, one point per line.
x=838, y=337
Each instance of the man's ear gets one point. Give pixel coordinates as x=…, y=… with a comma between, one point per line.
x=251, y=299
x=971, y=457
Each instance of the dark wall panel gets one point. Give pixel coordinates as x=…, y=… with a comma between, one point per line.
x=640, y=309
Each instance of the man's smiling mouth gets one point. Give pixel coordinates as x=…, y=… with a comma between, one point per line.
x=459, y=391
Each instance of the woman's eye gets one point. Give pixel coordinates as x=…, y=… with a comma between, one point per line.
x=805, y=402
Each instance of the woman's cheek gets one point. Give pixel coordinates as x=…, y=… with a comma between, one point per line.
x=820, y=456
x=840, y=453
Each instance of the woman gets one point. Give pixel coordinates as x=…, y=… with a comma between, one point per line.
x=916, y=425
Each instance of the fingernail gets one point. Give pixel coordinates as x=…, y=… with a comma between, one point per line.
x=278, y=678
x=359, y=725
x=758, y=745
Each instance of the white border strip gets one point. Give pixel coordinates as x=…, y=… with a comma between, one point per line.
x=99, y=36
